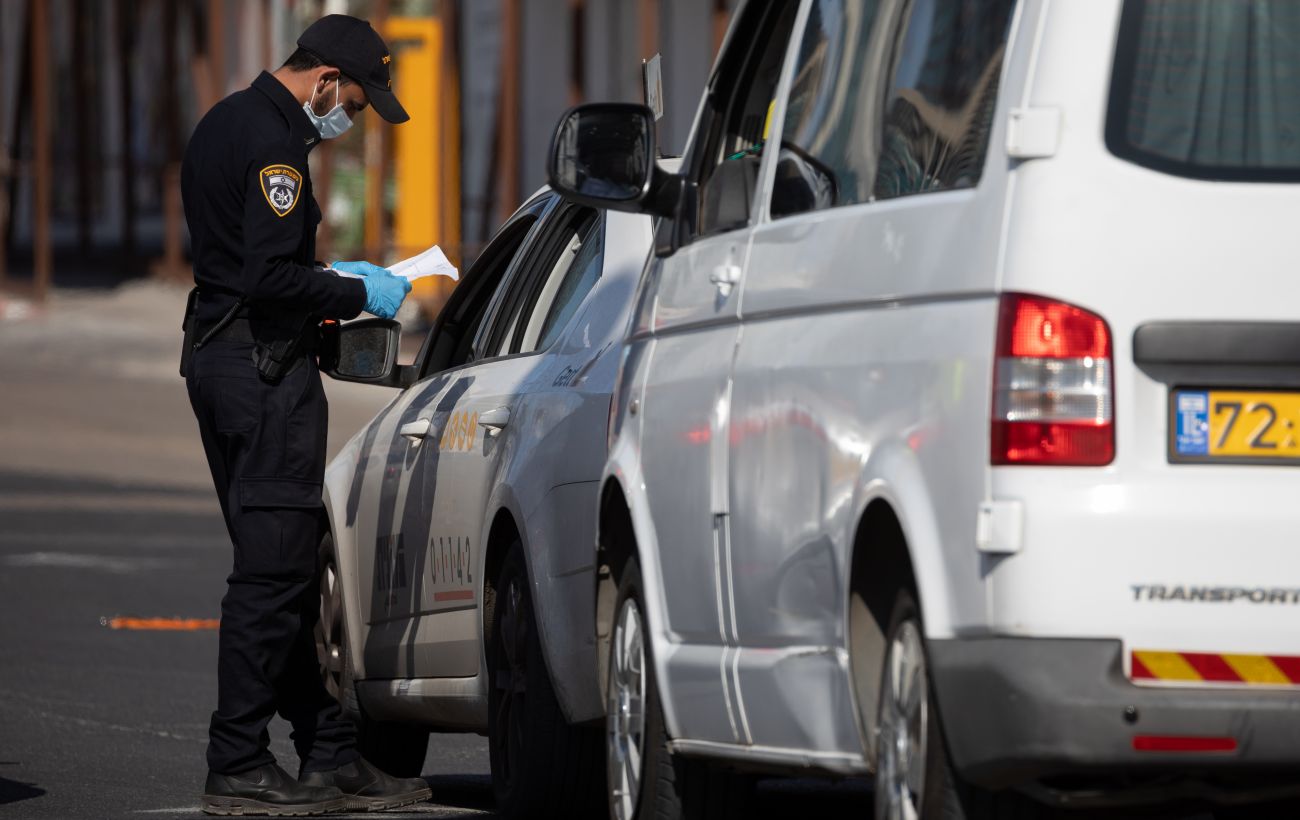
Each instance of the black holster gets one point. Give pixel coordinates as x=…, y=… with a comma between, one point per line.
x=277, y=359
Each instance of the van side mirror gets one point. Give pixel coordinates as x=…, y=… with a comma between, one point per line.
x=603, y=155
x=364, y=351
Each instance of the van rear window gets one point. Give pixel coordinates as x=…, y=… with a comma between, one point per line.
x=1208, y=88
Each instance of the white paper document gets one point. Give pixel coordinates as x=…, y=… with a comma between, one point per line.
x=432, y=262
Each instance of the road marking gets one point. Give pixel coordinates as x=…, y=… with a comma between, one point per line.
x=110, y=540
x=87, y=723
x=161, y=624
x=112, y=503
x=74, y=560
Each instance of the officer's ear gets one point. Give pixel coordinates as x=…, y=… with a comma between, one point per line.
x=327, y=75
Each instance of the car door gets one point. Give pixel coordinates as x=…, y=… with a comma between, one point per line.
x=400, y=456
x=685, y=415
x=476, y=423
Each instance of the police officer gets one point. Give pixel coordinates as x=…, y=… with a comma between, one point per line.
x=255, y=389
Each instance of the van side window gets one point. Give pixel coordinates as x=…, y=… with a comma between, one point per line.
x=886, y=103
x=831, y=138
x=940, y=110
x=740, y=100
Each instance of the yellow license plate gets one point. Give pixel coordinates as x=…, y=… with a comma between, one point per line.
x=1241, y=426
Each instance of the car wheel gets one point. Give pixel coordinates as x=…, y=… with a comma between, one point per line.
x=541, y=765
x=645, y=780
x=398, y=749
x=914, y=777
x=331, y=640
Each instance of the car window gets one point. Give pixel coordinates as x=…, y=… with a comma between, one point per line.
x=556, y=254
x=504, y=334
x=1208, y=89
x=503, y=318
x=939, y=112
x=560, y=230
x=574, y=275
x=739, y=107
x=451, y=339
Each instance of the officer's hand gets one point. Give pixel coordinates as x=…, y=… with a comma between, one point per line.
x=384, y=292
x=358, y=268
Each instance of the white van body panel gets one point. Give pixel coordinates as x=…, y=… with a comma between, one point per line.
x=1140, y=246
x=856, y=366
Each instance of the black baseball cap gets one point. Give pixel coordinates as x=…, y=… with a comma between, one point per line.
x=357, y=50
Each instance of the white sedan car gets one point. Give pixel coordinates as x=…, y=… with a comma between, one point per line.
x=458, y=576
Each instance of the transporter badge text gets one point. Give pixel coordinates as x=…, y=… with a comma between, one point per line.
x=1216, y=595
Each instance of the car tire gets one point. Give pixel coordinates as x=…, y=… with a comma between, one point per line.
x=541, y=765
x=331, y=632
x=914, y=776
x=398, y=749
x=646, y=781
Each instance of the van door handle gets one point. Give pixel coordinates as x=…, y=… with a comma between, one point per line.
x=416, y=431
x=494, y=420
x=725, y=277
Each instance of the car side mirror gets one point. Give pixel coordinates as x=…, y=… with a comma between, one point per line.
x=603, y=155
x=363, y=351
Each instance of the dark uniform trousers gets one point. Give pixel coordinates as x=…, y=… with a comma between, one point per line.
x=265, y=444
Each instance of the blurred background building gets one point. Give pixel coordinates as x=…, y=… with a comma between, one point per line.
x=98, y=98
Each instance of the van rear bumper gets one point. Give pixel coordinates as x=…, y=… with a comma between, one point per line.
x=1057, y=717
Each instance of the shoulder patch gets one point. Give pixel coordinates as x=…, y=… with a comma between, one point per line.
x=280, y=185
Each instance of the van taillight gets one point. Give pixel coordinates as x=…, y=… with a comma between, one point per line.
x=1053, y=392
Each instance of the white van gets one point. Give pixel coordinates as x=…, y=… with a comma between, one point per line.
x=957, y=437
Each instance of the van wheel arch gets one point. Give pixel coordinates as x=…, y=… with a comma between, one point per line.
x=881, y=567
x=615, y=544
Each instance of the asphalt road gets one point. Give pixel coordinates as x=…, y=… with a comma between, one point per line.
x=107, y=512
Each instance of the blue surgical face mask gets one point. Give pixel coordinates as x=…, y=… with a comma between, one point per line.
x=333, y=123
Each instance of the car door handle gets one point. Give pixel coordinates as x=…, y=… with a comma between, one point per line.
x=494, y=420
x=417, y=430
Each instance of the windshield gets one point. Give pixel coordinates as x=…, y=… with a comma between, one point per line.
x=1209, y=88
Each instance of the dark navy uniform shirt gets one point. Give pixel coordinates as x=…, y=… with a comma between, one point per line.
x=252, y=217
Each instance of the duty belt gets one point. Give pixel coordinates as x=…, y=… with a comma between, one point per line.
x=277, y=350
x=240, y=329
x=236, y=330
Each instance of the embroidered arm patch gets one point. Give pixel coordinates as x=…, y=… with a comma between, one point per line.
x=281, y=186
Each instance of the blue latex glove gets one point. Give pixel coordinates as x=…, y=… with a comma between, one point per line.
x=384, y=292
x=358, y=268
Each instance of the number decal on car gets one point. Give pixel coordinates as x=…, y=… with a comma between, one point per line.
x=460, y=432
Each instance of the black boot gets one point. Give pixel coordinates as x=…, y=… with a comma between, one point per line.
x=270, y=791
x=366, y=787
